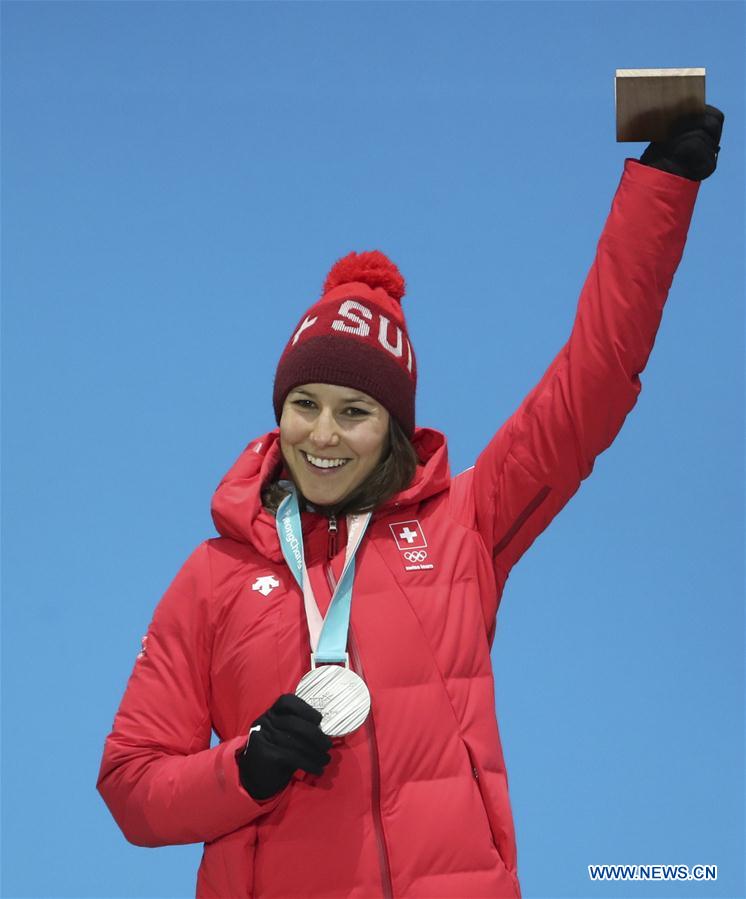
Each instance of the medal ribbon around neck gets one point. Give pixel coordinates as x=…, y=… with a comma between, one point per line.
x=328, y=635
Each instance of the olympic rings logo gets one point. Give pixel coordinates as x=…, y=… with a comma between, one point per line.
x=418, y=555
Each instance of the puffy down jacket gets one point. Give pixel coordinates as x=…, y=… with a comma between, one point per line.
x=415, y=803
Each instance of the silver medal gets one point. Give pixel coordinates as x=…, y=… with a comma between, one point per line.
x=339, y=694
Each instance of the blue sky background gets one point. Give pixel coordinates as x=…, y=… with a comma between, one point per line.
x=177, y=179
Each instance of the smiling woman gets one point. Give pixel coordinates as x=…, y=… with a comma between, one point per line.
x=347, y=548
x=342, y=449
x=330, y=444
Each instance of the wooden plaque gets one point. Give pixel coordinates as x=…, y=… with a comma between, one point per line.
x=648, y=101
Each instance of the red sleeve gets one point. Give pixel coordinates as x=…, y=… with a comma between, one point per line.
x=536, y=461
x=159, y=777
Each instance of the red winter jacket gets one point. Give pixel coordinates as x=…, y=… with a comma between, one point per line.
x=415, y=803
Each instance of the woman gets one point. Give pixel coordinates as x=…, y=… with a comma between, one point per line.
x=410, y=799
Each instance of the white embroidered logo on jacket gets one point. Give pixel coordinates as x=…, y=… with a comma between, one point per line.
x=411, y=543
x=266, y=584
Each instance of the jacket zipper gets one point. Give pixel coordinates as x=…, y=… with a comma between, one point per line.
x=520, y=521
x=332, y=537
x=475, y=775
x=383, y=858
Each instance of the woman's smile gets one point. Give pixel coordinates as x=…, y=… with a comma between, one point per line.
x=323, y=466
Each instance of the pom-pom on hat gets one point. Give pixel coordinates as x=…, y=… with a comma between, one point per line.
x=355, y=336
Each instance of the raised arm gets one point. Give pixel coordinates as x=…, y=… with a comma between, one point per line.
x=538, y=458
x=160, y=779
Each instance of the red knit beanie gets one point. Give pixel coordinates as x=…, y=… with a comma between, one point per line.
x=355, y=336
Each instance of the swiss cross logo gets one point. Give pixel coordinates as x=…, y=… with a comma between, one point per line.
x=408, y=535
x=411, y=543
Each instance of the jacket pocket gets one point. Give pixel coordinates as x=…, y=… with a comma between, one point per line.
x=476, y=778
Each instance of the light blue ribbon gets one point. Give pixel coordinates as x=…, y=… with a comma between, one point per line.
x=332, y=646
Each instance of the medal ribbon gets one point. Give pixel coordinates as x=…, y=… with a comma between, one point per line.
x=328, y=635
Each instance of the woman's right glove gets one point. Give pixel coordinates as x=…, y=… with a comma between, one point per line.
x=290, y=738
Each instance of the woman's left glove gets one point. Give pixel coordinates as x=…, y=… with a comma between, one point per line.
x=691, y=150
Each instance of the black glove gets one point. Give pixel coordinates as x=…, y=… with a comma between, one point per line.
x=290, y=738
x=692, y=147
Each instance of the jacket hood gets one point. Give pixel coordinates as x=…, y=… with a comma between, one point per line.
x=237, y=509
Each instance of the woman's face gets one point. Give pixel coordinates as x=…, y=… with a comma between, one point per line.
x=323, y=425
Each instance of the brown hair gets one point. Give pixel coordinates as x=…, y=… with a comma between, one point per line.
x=393, y=474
